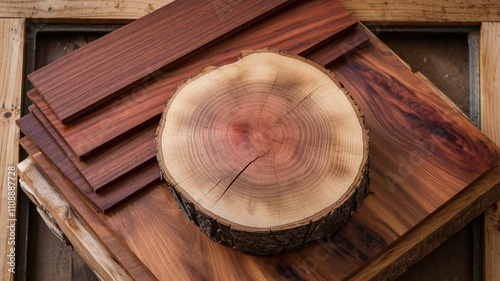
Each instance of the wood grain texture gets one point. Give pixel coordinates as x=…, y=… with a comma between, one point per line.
x=11, y=81
x=44, y=195
x=294, y=29
x=423, y=154
x=114, y=194
x=113, y=163
x=386, y=12
x=86, y=216
x=246, y=149
x=129, y=55
x=490, y=118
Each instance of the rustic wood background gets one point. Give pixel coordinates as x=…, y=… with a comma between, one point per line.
x=442, y=57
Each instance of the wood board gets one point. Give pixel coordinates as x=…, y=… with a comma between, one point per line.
x=11, y=77
x=133, y=53
x=413, y=175
x=60, y=216
x=120, y=252
x=490, y=118
x=294, y=29
x=429, y=12
x=111, y=164
x=116, y=193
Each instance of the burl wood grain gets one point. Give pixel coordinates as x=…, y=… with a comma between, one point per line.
x=112, y=163
x=80, y=81
x=298, y=28
x=116, y=193
x=423, y=153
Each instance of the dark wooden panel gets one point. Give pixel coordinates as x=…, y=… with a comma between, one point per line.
x=95, y=73
x=114, y=194
x=113, y=163
x=295, y=29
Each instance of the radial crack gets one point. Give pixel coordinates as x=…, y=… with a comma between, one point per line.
x=241, y=172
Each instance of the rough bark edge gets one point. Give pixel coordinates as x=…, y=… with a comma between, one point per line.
x=289, y=238
x=274, y=242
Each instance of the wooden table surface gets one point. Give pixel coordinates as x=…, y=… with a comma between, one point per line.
x=384, y=12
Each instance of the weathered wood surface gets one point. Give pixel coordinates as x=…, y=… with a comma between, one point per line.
x=87, y=214
x=420, y=161
x=379, y=11
x=129, y=55
x=111, y=164
x=11, y=81
x=490, y=120
x=116, y=193
x=294, y=29
x=74, y=229
x=267, y=154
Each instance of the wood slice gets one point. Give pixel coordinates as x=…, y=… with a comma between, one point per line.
x=266, y=154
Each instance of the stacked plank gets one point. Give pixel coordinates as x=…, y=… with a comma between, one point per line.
x=95, y=111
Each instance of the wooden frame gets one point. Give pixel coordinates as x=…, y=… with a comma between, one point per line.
x=13, y=14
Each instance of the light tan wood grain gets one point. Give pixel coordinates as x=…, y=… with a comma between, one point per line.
x=11, y=77
x=77, y=232
x=490, y=119
x=381, y=11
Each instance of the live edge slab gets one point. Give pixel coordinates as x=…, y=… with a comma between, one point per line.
x=431, y=172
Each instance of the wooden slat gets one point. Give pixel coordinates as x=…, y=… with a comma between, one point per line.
x=43, y=194
x=346, y=45
x=294, y=29
x=119, y=252
x=11, y=79
x=97, y=72
x=380, y=11
x=113, y=163
x=113, y=195
x=490, y=120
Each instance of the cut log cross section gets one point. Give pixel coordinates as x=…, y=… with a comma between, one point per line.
x=266, y=154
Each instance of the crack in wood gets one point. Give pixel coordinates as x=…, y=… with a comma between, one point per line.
x=237, y=176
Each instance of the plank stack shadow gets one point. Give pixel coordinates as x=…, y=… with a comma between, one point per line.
x=95, y=143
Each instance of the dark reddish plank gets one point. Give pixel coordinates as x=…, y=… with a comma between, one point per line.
x=113, y=195
x=340, y=48
x=113, y=163
x=114, y=244
x=297, y=29
x=80, y=81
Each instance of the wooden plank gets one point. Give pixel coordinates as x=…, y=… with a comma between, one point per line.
x=437, y=229
x=77, y=231
x=113, y=163
x=294, y=29
x=97, y=72
x=86, y=214
x=11, y=81
x=380, y=11
x=347, y=44
x=113, y=195
x=418, y=167
x=490, y=118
